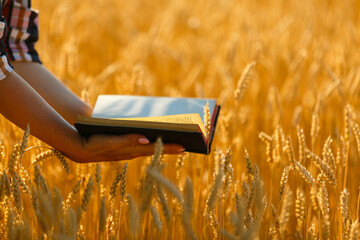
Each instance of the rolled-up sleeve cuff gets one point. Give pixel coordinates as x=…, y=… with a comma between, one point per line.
x=5, y=67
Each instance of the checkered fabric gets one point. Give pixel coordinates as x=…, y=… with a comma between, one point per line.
x=5, y=67
x=18, y=34
x=22, y=33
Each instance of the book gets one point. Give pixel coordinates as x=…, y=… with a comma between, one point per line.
x=175, y=120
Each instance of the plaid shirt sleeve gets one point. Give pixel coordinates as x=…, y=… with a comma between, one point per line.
x=23, y=31
x=5, y=67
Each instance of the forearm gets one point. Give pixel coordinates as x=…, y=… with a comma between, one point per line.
x=22, y=105
x=65, y=102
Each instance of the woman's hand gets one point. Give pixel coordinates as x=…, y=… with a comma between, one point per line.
x=98, y=148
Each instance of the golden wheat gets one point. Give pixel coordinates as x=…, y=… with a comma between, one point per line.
x=295, y=111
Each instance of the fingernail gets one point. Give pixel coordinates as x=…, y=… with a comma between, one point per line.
x=143, y=141
x=181, y=150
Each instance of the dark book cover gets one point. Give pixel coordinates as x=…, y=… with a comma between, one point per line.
x=191, y=141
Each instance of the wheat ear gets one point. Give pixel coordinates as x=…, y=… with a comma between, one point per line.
x=347, y=123
x=300, y=210
x=285, y=210
x=133, y=216
x=87, y=195
x=123, y=182
x=102, y=215
x=71, y=197
x=324, y=167
x=215, y=189
x=302, y=144
x=50, y=153
x=268, y=141
x=243, y=81
x=304, y=173
x=114, y=186
x=248, y=163
x=207, y=119
x=354, y=232
x=98, y=174
x=16, y=193
x=24, y=142
x=188, y=208
x=284, y=180
x=156, y=218
x=158, y=177
x=164, y=203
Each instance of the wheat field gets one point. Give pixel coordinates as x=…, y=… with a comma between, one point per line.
x=285, y=158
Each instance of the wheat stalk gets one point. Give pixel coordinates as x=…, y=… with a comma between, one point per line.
x=347, y=123
x=114, y=185
x=312, y=233
x=102, y=215
x=324, y=167
x=133, y=216
x=300, y=210
x=243, y=81
x=315, y=122
x=2, y=153
x=268, y=141
x=98, y=174
x=207, y=120
x=166, y=183
x=71, y=197
x=248, y=162
x=156, y=218
x=215, y=188
x=164, y=204
x=109, y=228
x=188, y=208
x=123, y=181
x=24, y=142
x=344, y=198
x=354, y=232
x=356, y=130
x=50, y=153
x=284, y=180
x=324, y=199
x=305, y=173
x=16, y=194
x=302, y=144
x=87, y=195
x=285, y=210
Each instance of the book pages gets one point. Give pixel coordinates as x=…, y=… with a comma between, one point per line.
x=124, y=106
x=180, y=118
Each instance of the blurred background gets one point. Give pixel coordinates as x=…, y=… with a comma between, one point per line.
x=306, y=72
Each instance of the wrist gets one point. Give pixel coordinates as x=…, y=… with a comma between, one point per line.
x=75, y=149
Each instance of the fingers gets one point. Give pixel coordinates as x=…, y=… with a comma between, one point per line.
x=135, y=140
x=110, y=148
x=116, y=157
x=144, y=150
x=173, y=149
x=135, y=155
x=148, y=149
x=128, y=140
x=121, y=141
